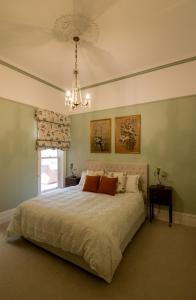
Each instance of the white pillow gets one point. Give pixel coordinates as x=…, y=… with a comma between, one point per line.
x=132, y=185
x=121, y=180
x=82, y=179
x=95, y=173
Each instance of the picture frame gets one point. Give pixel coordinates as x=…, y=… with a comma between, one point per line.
x=128, y=134
x=100, y=136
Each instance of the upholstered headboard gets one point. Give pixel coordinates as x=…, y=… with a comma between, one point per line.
x=131, y=168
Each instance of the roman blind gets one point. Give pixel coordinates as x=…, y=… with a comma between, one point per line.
x=53, y=130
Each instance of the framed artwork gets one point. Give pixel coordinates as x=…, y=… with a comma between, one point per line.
x=127, y=134
x=100, y=136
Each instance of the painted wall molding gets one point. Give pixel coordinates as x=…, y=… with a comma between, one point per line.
x=142, y=72
x=169, y=81
x=29, y=91
x=5, y=216
x=178, y=217
x=164, y=84
x=23, y=72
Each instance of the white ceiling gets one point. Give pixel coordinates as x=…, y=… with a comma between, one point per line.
x=133, y=35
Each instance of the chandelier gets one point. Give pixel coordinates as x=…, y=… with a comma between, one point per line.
x=73, y=97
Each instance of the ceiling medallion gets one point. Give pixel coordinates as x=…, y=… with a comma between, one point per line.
x=68, y=26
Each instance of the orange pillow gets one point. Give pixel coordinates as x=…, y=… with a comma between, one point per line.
x=108, y=185
x=91, y=184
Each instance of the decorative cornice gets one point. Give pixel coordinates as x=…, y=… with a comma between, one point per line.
x=146, y=71
x=172, y=64
x=4, y=63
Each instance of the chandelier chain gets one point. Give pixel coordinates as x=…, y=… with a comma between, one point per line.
x=76, y=56
x=76, y=63
x=73, y=99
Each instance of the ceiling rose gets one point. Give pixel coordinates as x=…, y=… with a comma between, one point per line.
x=68, y=26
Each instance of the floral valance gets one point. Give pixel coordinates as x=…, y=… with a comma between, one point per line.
x=53, y=130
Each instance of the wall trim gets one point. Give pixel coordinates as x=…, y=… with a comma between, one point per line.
x=159, y=214
x=150, y=70
x=5, y=216
x=169, y=65
x=23, y=72
x=178, y=217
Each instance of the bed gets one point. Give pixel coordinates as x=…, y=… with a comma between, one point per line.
x=88, y=229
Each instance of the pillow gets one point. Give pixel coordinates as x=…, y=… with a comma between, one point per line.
x=91, y=184
x=132, y=185
x=95, y=172
x=82, y=179
x=108, y=185
x=121, y=180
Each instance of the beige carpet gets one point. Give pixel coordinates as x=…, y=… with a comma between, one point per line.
x=159, y=264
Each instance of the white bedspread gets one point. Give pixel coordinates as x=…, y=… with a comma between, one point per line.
x=87, y=224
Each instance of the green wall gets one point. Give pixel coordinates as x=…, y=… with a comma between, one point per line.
x=18, y=157
x=168, y=140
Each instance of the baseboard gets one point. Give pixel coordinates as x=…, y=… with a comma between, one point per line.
x=178, y=217
x=5, y=216
x=160, y=214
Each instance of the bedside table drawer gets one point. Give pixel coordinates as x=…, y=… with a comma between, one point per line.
x=160, y=196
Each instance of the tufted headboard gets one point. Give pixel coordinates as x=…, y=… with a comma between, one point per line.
x=131, y=168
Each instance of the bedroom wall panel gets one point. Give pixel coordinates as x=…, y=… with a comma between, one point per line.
x=18, y=157
x=168, y=141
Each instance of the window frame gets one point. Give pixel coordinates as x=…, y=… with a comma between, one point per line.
x=61, y=155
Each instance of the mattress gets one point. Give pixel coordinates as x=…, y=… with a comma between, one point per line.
x=92, y=229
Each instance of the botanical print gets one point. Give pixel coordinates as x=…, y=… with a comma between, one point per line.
x=127, y=138
x=100, y=136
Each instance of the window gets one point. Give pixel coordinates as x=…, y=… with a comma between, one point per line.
x=50, y=170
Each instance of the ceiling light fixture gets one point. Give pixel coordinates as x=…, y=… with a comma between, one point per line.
x=73, y=97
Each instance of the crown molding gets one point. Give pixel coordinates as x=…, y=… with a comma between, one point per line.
x=23, y=72
x=150, y=70
x=146, y=71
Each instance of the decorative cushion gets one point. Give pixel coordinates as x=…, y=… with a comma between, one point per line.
x=108, y=185
x=91, y=184
x=121, y=180
x=82, y=179
x=95, y=172
x=132, y=185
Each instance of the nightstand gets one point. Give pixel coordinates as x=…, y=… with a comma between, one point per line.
x=161, y=195
x=69, y=181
